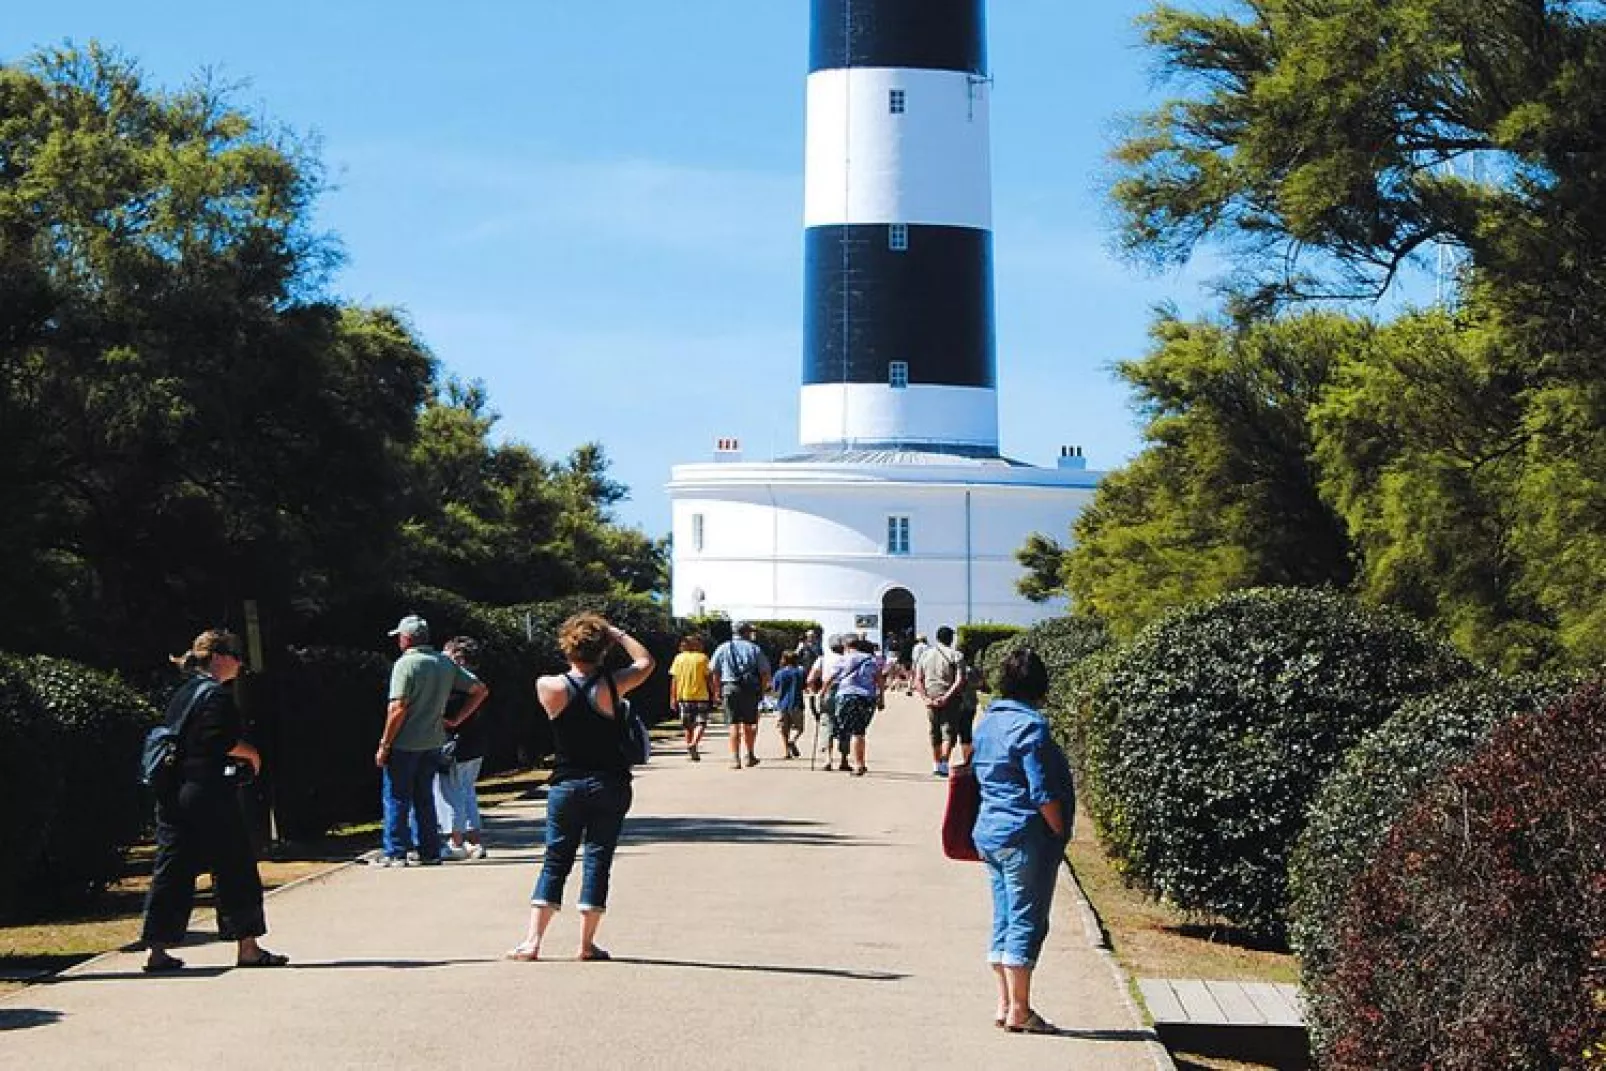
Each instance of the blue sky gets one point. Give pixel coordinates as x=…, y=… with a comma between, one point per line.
x=582, y=199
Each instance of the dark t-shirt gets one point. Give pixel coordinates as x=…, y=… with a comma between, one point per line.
x=213, y=728
x=473, y=736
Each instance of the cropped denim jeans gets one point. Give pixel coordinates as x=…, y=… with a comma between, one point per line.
x=584, y=810
x=1023, y=876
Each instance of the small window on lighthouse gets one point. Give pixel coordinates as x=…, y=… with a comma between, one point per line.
x=898, y=237
x=896, y=101
x=897, y=535
x=898, y=374
x=697, y=532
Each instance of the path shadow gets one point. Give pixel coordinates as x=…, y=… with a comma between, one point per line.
x=667, y=829
x=815, y=972
x=1101, y=1035
x=25, y=1018
x=307, y=965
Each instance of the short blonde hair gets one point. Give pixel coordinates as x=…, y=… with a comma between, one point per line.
x=585, y=637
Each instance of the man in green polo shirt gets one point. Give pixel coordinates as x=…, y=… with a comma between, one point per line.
x=421, y=682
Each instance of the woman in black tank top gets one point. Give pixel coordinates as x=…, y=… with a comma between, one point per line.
x=589, y=794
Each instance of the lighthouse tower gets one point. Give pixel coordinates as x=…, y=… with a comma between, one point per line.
x=900, y=513
x=898, y=329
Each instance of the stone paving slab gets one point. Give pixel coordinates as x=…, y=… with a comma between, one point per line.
x=770, y=917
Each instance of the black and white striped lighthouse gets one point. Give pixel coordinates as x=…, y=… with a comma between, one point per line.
x=898, y=332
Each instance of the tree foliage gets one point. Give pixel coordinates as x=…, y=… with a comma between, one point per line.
x=1224, y=496
x=188, y=419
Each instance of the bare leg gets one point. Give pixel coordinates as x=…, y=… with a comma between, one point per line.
x=1018, y=988
x=858, y=752
x=1003, y=994
x=540, y=919
x=750, y=733
x=589, y=921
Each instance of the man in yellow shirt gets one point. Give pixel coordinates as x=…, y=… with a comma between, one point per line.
x=691, y=692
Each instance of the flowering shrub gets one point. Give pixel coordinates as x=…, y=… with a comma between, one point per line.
x=1371, y=789
x=1477, y=936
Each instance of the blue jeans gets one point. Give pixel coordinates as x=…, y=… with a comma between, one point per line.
x=589, y=810
x=409, y=793
x=456, y=802
x=1023, y=877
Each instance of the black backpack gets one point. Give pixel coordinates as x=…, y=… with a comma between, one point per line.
x=162, y=756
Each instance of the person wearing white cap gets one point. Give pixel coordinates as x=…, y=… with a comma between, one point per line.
x=409, y=753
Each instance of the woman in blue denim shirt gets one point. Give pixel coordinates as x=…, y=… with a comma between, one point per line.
x=1027, y=806
x=589, y=793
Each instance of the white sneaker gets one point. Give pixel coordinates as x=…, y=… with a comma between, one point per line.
x=453, y=852
x=386, y=861
x=476, y=851
x=411, y=860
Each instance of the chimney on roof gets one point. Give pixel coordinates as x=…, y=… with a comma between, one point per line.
x=727, y=449
x=1071, y=458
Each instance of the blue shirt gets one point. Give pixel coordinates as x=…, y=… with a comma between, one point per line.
x=737, y=659
x=789, y=689
x=1019, y=768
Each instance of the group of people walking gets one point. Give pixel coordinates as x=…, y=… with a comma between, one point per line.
x=1027, y=797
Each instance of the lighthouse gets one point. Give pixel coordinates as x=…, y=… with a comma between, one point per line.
x=898, y=308
x=899, y=512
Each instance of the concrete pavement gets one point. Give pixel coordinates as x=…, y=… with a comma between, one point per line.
x=766, y=918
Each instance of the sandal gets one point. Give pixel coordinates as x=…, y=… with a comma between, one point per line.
x=1034, y=1024
x=595, y=955
x=264, y=959
x=861, y=771
x=523, y=953
x=165, y=965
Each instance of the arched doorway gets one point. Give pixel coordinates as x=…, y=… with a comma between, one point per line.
x=897, y=618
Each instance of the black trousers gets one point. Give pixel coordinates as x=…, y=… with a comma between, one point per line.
x=203, y=829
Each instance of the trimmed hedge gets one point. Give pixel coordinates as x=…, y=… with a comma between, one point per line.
x=30, y=769
x=1061, y=642
x=973, y=640
x=1371, y=789
x=1206, y=738
x=100, y=725
x=1476, y=937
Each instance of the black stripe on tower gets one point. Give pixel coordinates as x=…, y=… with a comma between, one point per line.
x=941, y=35
x=930, y=305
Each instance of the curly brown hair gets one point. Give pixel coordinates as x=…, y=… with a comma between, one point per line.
x=213, y=641
x=585, y=637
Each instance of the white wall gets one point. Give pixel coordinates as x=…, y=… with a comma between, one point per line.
x=817, y=549
x=864, y=164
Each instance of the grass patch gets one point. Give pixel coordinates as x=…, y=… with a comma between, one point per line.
x=1151, y=940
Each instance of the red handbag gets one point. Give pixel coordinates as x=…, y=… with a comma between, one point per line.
x=959, y=816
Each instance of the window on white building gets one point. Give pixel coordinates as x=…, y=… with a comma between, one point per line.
x=897, y=535
x=898, y=374
x=697, y=532
x=897, y=101
x=898, y=237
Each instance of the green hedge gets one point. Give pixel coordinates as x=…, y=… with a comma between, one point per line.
x=1378, y=779
x=773, y=636
x=100, y=725
x=973, y=640
x=1061, y=642
x=30, y=769
x=1207, y=737
x=1474, y=938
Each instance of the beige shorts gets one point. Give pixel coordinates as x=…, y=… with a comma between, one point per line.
x=791, y=720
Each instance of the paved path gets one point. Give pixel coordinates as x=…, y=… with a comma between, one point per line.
x=767, y=918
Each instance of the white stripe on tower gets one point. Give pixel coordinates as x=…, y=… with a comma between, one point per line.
x=899, y=346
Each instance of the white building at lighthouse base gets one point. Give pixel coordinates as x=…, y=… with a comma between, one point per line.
x=869, y=541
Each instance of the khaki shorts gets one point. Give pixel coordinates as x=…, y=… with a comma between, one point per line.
x=791, y=720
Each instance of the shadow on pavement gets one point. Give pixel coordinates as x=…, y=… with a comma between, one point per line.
x=818, y=972
x=308, y=965
x=23, y=1018
x=664, y=829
